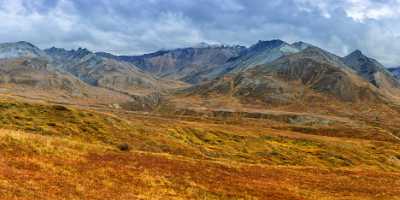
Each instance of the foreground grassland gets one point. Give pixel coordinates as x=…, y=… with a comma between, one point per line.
x=57, y=152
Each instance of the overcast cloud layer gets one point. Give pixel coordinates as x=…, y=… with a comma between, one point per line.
x=141, y=26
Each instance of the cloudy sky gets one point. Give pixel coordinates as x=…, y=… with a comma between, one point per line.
x=141, y=26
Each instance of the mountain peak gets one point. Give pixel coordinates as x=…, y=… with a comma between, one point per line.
x=267, y=44
x=271, y=42
x=357, y=58
x=357, y=54
x=20, y=44
x=301, y=45
x=321, y=55
x=24, y=43
x=106, y=55
x=82, y=52
x=204, y=45
x=80, y=49
x=20, y=49
x=371, y=70
x=54, y=49
x=314, y=50
x=395, y=71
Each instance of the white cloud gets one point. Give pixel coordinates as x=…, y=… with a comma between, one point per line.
x=358, y=10
x=324, y=7
x=361, y=10
x=133, y=27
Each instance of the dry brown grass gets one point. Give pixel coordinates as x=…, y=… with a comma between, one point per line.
x=43, y=167
x=58, y=152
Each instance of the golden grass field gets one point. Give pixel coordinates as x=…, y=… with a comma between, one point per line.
x=58, y=152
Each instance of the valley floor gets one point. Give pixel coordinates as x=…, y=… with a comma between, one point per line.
x=57, y=152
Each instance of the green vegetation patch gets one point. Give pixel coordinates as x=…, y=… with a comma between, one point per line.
x=57, y=120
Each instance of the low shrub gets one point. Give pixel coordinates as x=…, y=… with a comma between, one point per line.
x=124, y=147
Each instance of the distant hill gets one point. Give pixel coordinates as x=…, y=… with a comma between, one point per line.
x=304, y=78
x=38, y=73
x=107, y=73
x=263, y=52
x=23, y=65
x=395, y=71
x=374, y=72
x=181, y=63
x=268, y=72
x=20, y=49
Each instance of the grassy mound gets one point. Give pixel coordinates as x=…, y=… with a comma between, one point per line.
x=57, y=120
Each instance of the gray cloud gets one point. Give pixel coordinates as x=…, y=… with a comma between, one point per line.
x=139, y=26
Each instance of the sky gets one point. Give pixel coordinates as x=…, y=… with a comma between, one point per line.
x=132, y=27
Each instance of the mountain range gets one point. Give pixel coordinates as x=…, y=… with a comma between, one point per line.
x=274, y=120
x=395, y=71
x=267, y=73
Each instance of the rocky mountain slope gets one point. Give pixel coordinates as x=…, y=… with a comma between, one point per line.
x=312, y=74
x=37, y=73
x=269, y=72
x=178, y=64
x=395, y=71
x=107, y=73
x=20, y=49
x=374, y=72
x=198, y=64
x=201, y=64
x=22, y=65
x=29, y=73
x=261, y=53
